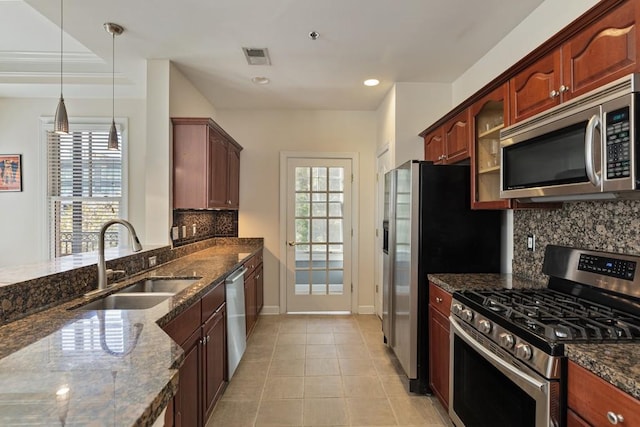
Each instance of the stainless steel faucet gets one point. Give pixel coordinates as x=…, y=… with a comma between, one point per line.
x=103, y=273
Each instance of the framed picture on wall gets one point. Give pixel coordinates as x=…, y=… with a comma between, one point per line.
x=10, y=172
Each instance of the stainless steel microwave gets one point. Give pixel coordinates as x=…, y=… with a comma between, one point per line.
x=583, y=149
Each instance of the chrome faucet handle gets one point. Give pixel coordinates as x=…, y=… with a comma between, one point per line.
x=111, y=273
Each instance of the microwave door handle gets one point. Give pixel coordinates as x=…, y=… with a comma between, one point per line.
x=592, y=174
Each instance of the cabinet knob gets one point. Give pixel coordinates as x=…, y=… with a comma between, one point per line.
x=554, y=94
x=229, y=202
x=564, y=89
x=614, y=418
x=438, y=299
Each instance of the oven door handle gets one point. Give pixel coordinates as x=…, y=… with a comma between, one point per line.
x=589, y=142
x=516, y=376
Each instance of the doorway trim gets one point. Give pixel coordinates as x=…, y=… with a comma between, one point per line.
x=355, y=214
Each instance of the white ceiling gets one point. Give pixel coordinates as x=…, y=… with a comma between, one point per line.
x=392, y=40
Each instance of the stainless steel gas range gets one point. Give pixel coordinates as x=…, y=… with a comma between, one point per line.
x=508, y=365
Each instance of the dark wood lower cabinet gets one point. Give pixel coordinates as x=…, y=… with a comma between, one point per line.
x=214, y=365
x=439, y=355
x=187, y=405
x=259, y=289
x=250, y=301
x=574, y=420
x=201, y=331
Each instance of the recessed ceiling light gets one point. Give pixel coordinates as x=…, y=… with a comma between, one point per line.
x=371, y=82
x=261, y=80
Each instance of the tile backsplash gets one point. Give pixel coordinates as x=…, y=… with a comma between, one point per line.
x=207, y=224
x=603, y=226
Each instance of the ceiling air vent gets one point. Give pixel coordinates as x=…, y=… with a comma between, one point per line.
x=257, y=56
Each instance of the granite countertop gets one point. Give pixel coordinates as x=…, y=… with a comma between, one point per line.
x=479, y=281
x=103, y=368
x=618, y=364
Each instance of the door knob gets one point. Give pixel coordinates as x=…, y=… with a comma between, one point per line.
x=292, y=243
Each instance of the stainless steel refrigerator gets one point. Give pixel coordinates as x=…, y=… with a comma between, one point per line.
x=431, y=229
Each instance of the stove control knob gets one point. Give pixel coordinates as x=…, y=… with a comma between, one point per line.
x=484, y=326
x=467, y=315
x=506, y=340
x=456, y=308
x=523, y=351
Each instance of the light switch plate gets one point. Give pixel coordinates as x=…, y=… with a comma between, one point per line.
x=175, y=235
x=531, y=242
x=184, y=231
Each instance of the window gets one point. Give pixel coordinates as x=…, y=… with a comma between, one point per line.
x=86, y=187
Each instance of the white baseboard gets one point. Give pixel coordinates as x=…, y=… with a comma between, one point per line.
x=270, y=310
x=366, y=309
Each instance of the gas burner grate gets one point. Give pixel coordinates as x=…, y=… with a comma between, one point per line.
x=555, y=316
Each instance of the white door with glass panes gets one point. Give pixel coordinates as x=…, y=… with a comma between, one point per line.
x=318, y=235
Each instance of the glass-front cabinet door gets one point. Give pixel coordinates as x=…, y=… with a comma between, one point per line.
x=490, y=114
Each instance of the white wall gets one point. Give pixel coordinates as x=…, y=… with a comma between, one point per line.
x=23, y=214
x=184, y=99
x=264, y=134
x=386, y=124
x=418, y=105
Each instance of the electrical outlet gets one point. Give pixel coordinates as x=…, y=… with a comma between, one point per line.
x=153, y=261
x=194, y=229
x=175, y=235
x=184, y=231
x=531, y=242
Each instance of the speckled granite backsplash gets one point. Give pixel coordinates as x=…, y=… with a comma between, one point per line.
x=208, y=224
x=20, y=299
x=603, y=226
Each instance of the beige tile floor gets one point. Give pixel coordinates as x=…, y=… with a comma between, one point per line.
x=322, y=371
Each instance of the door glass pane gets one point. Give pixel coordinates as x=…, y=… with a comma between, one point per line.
x=319, y=230
x=302, y=253
x=302, y=230
x=335, y=230
x=319, y=209
x=336, y=179
x=335, y=209
x=319, y=179
x=302, y=204
x=303, y=179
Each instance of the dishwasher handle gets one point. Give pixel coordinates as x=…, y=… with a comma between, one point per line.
x=236, y=275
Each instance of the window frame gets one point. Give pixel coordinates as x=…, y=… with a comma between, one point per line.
x=101, y=124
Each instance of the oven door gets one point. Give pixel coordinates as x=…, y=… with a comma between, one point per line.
x=489, y=390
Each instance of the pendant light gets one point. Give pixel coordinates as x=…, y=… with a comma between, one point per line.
x=61, y=120
x=114, y=30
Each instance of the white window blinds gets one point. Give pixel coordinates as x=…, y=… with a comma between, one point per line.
x=85, y=189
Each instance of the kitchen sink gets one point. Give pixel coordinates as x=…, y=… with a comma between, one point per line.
x=126, y=302
x=162, y=285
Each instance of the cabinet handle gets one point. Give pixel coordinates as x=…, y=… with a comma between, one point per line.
x=564, y=89
x=229, y=202
x=257, y=276
x=614, y=418
x=554, y=94
x=438, y=299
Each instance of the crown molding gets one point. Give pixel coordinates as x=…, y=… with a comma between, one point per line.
x=49, y=57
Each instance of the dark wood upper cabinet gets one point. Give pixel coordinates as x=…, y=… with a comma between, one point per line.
x=488, y=116
x=434, y=147
x=457, y=138
x=602, y=52
x=536, y=88
x=206, y=165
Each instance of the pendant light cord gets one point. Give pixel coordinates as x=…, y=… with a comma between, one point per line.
x=113, y=77
x=61, y=41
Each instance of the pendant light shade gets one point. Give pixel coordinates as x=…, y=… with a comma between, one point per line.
x=61, y=121
x=114, y=30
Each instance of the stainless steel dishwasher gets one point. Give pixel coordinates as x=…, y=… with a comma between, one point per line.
x=236, y=323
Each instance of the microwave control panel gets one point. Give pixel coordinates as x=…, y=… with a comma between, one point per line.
x=618, y=144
